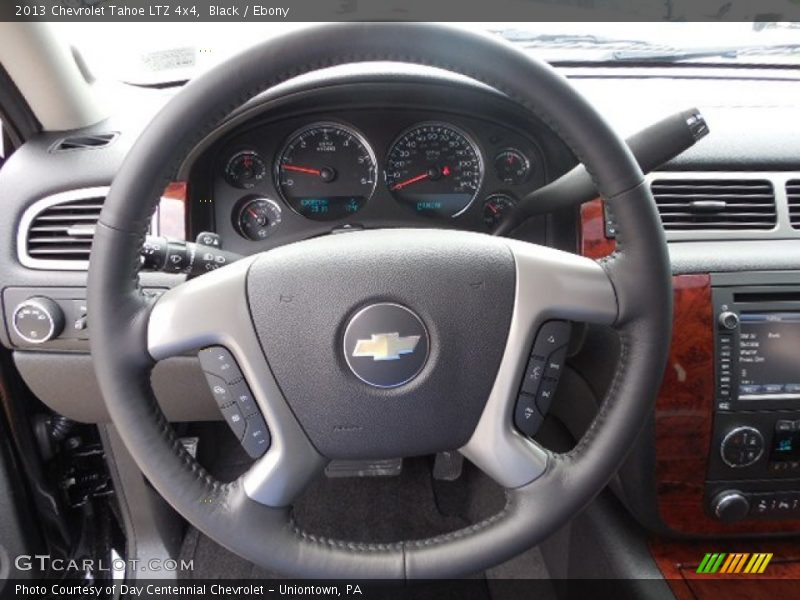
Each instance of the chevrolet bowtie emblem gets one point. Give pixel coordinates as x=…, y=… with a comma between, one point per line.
x=386, y=346
x=396, y=358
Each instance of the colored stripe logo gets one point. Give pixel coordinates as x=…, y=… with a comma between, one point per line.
x=734, y=563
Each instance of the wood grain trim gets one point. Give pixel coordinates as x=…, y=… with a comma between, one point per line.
x=593, y=240
x=678, y=561
x=684, y=408
x=685, y=419
x=684, y=415
x=177, y=190
x=172, y=211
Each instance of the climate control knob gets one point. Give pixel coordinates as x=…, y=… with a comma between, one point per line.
x=730, y=506
x=742, y=447
x=38, y=320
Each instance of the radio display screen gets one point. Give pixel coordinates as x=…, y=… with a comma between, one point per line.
x=769, y=355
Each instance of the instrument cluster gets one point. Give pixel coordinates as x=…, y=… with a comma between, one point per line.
x=459, y=172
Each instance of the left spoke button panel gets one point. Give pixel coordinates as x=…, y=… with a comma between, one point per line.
x=235, y=400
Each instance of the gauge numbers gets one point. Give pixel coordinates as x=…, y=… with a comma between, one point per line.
x=326, y=171
x=435, y=169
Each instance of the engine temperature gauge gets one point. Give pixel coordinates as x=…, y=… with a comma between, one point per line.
x=495, y=208
x=257, y=217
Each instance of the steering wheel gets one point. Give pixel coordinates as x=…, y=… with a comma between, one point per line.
x=290, y=317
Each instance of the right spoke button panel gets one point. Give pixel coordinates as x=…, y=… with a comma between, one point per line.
x=235, y=400
x=542, y=374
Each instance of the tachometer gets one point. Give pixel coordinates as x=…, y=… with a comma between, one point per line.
x=436, y=169
x=326, y=171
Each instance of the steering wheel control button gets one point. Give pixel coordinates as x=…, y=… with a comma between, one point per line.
x=533, y=374
x=742, y=447
x=218, y=361
x=555, y=363
x=38, y=320
x=552, y=336
x=386, y=345
x=256, y=438
x=219, y=389
x=527, y=417
x=235, y=419
x=545, y=395
x=241, y=394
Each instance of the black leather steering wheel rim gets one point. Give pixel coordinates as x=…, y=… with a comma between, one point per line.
x=638, y=270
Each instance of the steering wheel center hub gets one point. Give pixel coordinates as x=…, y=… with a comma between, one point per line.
x=386, y=345
x=366, y=374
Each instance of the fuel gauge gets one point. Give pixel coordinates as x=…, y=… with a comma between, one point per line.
x=512, y=167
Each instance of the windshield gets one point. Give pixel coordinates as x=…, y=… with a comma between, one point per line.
x=172, y=52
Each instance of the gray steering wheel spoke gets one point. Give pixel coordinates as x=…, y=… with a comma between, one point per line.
x=550, y=285
x=205, y=311
x=213, y=310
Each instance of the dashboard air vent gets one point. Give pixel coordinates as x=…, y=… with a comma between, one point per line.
x=715, y=204
x=793, y=197
x=64, y=231
x=85, y=142
x=56, y=232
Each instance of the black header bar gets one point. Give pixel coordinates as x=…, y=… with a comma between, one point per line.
x=396, y=10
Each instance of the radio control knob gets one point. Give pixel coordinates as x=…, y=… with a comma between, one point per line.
x=730, y=506
x=728, y=320
x=38, y=320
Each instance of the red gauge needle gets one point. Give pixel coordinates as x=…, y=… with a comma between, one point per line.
x=301, y=169
x=432, y=173
x=402, y=184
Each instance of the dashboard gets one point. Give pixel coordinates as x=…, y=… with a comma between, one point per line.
x=393, y=148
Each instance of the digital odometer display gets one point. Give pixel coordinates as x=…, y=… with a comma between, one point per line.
x=326, y=171
x=435, y=169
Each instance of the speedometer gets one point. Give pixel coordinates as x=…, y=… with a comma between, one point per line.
x=434, y=168
x=326, y=171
